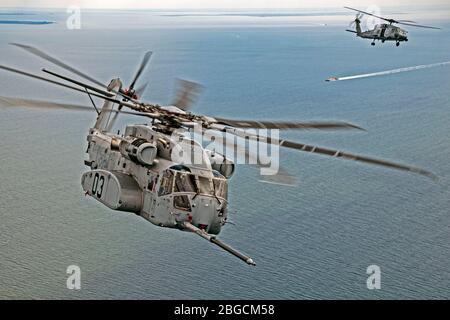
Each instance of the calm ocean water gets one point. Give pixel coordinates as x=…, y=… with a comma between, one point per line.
x=312, y=241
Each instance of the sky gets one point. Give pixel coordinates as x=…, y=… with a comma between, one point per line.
x=208, y=4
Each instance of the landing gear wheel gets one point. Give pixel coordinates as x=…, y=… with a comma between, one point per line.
x=373, y=43
x=397, y=44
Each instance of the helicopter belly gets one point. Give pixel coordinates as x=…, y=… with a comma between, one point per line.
x=116, y=190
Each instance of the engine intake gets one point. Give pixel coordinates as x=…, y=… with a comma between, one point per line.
x=220, y=163
x=139, y=150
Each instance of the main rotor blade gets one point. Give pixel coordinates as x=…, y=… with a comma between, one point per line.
x=65, y=66
x=27, y=103
x=41, y=104
x=83, y=85
x=142, y=66
x=354, y=157
x=57, y=62
x=241, y=152
x=187, y=94
x=418, y=25
x=129, y=105
x=335, y=153
x=244, y=124
x=42, y=79
x=373, y=15
x=106, y=93
x=140, y=91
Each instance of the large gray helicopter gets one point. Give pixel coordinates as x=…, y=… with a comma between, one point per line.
x=136, y=172
x=385, y=31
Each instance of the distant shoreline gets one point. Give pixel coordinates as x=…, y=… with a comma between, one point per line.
x=25, y=22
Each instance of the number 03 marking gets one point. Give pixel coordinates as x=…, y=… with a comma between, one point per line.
x=97, y=185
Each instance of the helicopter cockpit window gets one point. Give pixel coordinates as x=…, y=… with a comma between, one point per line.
x=184, y=182
x=220, y=185
x=221, y=188
x=205, y=186
x=166, y=185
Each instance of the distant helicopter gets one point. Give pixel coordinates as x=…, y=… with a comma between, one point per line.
x=385, y=31
x=136, y=172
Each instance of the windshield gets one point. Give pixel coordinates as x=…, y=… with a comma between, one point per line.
x=184, y=182
x=205, y=186
x=187, y=182
x=221, y=188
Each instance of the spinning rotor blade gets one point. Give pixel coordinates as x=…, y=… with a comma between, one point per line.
x=187, y=94
x=57, y=62
x=335, y=153
x=40, y=104
x=142, y=66
x=99, y=91
x=354, y=157
x=242, y=153
x=404, y=22
x=17, y=102
x=244, y=124
x=140, y=91
x=46, y=80
x=282, y=176
x=65, y=66
x=418, y=25
x=108, y=98
x=371, y=14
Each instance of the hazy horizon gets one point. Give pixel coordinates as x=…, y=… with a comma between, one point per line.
x=217, y=4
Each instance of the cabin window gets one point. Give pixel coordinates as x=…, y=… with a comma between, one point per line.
x=166, y=185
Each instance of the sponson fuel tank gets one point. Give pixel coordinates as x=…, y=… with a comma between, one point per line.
x=116, y=190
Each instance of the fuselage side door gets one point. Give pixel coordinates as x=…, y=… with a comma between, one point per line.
x=149, y=204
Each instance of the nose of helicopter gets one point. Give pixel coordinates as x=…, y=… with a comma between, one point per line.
x=206, y=213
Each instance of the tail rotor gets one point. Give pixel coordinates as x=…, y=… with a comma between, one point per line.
x=357, y=20
x=357, y=23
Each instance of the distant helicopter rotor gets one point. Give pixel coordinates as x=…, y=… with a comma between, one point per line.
x=393, y=21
